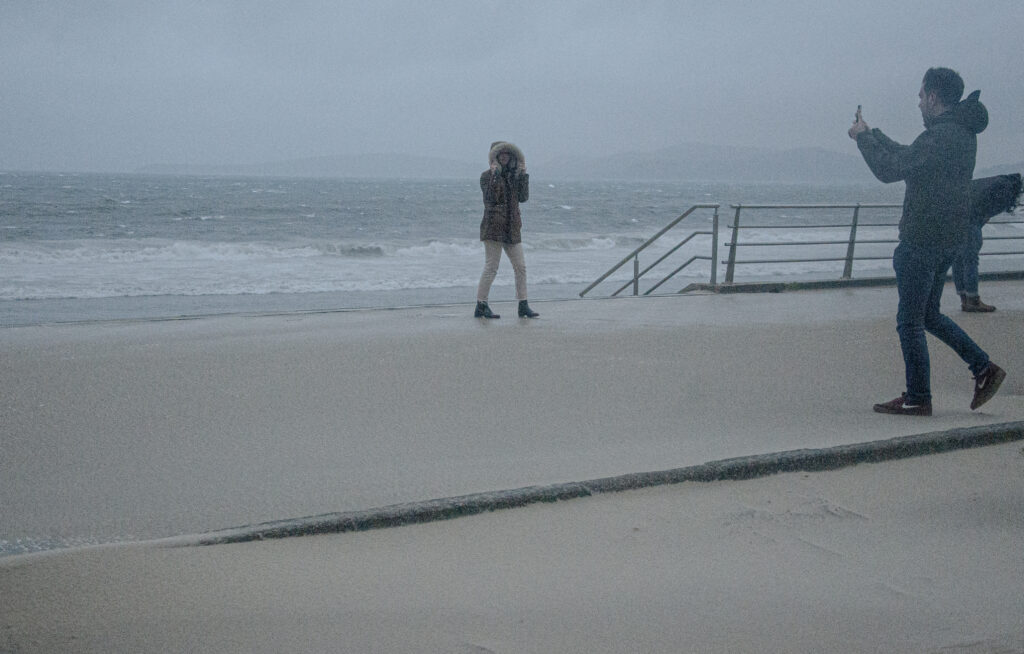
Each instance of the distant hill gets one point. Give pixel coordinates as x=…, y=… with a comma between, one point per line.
x=373, y=166
x=1004, y=169
x=700, y=162
x=685, y=162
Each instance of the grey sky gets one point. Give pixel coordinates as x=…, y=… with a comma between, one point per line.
x=115, y=85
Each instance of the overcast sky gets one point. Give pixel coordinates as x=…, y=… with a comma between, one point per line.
x=110, y=86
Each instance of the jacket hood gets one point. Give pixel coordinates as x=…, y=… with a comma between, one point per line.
x=504, y=146
x=971, y=114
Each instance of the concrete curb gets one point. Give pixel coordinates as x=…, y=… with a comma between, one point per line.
x=747, y=467
x=779, y=287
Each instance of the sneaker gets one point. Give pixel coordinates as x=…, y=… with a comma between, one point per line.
x=901, y=407
x=986, y=384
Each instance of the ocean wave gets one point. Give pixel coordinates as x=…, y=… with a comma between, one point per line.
x=349, y=250
x=572, y=243
x=472, y=247
x=809, y=235
x=243, y=285
x=466, y=247
x=127, y=251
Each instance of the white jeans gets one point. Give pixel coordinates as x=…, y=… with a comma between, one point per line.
x=492, y=252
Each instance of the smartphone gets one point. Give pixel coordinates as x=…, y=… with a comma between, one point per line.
x=856, y=116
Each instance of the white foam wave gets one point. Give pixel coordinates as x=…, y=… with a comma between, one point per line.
x=442, y=248
x=581, y=243
x=94, y=268
x=815, y=235
x=126, y=251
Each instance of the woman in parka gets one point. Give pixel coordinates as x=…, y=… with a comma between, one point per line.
x=504, y=185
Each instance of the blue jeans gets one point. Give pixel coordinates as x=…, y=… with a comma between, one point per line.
x=920, y=278
x=965, y=265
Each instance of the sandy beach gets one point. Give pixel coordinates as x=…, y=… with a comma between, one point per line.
x=148, y=430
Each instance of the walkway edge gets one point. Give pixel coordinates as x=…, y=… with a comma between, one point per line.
x=748, y=467
x=827, y=284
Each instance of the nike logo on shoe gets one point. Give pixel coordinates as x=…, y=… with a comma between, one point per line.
x=986, y=384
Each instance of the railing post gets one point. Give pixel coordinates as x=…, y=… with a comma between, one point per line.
x=714, y=248
x=731, y=267
x=636, y=275
x=848, y=268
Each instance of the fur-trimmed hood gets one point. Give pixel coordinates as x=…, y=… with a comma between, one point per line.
x=504, y=146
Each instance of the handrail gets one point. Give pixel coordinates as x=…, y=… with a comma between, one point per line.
x=850, y=242
x=654, y=238
x=734, y=243
x=862, y=205
x=662, y=258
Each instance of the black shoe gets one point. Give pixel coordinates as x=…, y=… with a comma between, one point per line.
x=986, y=384
x=484, y=311
x=525, y=311
x=900, y=407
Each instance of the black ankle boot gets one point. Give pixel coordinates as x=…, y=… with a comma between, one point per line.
x=525, y=311
x=484, y=311
x=973, y=304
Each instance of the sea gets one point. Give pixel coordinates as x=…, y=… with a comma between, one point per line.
x=92, y=247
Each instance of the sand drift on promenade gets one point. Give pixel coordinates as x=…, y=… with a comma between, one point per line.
x=152, y=429
x=916, y=555
x=149, y=429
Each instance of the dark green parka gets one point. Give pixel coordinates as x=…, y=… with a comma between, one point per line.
x=937, y=168
x=503, y=189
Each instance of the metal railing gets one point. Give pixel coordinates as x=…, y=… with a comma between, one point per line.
x=635, y=254
x=734, y=244
x=850, y=242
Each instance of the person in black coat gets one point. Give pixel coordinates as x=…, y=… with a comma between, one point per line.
x=937, y=169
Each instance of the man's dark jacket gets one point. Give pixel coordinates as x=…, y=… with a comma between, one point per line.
x=991, y=196
x=937, y=168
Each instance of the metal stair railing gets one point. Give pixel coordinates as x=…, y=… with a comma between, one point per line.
x=731, y=262
x=634, y=255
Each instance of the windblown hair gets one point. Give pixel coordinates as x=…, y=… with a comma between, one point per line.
x=991, y=196
x=1017, y=190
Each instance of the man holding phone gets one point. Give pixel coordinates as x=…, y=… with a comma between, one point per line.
x=937, y=169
